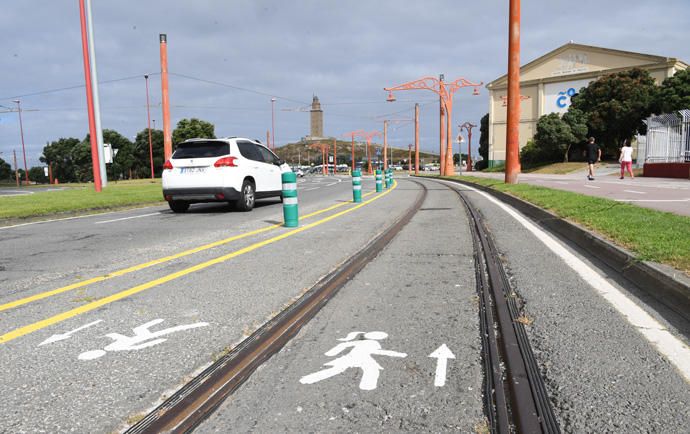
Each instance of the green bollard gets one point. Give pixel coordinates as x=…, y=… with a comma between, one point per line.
x=378, y=181
x=390, y=178
x=290, y=212
x=357, y=186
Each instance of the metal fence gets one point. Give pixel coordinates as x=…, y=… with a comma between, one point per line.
x=667, y=139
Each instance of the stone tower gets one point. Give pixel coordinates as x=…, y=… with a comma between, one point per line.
x=316, y=115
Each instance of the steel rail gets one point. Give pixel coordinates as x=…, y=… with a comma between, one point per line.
x=196, y=400
x=526, y=406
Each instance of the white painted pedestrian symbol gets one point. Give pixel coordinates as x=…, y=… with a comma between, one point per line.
x=360, y=356
x=62, y=336
x=143, y=338
x=442, y=353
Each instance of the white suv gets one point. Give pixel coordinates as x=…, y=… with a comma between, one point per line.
x=233, y=169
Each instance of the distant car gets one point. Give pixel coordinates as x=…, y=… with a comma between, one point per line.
x=298, y=172
x=234, y=170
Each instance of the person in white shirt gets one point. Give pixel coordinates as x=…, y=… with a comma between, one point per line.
x=626, y=159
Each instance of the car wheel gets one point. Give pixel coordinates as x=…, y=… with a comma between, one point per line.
x=178, y=206
x=247, y=197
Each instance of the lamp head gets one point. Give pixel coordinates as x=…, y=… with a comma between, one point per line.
x=476, y=91
x=391, y=97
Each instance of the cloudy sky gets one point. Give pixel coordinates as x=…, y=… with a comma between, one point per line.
x=228, y=57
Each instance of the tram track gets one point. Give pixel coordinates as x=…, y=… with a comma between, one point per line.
x=515, y=397
x=514, y=391
x=197, y=399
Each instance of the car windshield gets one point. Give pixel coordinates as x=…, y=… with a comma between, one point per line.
x=201, y=150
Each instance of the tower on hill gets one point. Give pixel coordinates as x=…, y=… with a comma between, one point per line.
x=316, y=118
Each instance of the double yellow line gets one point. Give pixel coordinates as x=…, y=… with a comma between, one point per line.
x=139, y=288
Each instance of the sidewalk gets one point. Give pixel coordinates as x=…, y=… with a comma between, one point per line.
x=662, y=194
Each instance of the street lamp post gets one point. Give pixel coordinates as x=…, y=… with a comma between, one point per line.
x=148, y=117
x=352, y=135
x=21, y=133
x=273, y=123
x=445, y=90
x=468, y=127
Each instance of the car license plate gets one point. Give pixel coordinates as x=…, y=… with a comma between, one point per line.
x=192, y=169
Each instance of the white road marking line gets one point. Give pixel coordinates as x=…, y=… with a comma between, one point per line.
x=70, y=218
x=127, y=218
x=633, y=191
x=310, y=189
x=332, y=183
x=668, y=345
x=650, y=200
x=562, y=182
x=591, y=186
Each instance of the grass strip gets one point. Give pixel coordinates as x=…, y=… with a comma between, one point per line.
x=78, y=198
x=651, y=235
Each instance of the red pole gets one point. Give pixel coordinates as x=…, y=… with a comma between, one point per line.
x=335, y=156
x=416, y=139
x=450, y=167
x=148, y=119
x=353, y=152
x=513, y=126
x=369, y=156
x=50, y=173
x=324, y=169
x=89, y=101
x=441, y=128
x=385, y=145
x=16, y=169
x=165, y=102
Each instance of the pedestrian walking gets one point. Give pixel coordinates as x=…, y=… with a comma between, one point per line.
x=593, y=153
x=626, y=159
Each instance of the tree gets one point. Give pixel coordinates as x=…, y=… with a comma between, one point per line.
x=192, y=128
x=5, y=170
x=674, y=94
x=124, y=159
x=483, y=143
x=38, y=174
x=60, y=154
x=82, y=161
x=142, y=166
x=577, y=121
x=551, y=141
x=615, y=106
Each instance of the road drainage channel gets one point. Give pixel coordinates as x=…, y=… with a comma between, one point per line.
x=514, y=391
x=196, y=400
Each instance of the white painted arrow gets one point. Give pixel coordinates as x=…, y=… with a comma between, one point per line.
x=442, y=353
x=62, y=336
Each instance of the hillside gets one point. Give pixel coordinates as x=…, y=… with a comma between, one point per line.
x=301, y=152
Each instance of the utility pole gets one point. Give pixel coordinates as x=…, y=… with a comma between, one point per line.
x=385, y=145
x=21, y=133
x=165, y=100
x=16, y=169
x=513, y=121
x=89, y=101
x=96, y=99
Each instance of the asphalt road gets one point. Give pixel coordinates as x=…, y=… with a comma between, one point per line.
x=95, y=358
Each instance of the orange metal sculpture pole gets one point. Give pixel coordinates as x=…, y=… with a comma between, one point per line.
x=409, y=159
x=445, y=92
x=165, y=102
x=353, y=153
x=467, y=126
x=416, y=139
x=513, y=126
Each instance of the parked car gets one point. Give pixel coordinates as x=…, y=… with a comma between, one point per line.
x=298, y=171
x=234, y=170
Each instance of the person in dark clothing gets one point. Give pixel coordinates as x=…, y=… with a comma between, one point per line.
x=593, y=156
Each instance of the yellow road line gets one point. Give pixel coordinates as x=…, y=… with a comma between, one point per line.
x=14, y=334
x=83, y=283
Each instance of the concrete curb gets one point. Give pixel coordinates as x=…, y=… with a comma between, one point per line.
x=669, y=286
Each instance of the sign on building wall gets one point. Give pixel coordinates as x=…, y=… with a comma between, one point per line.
x=557, y=95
